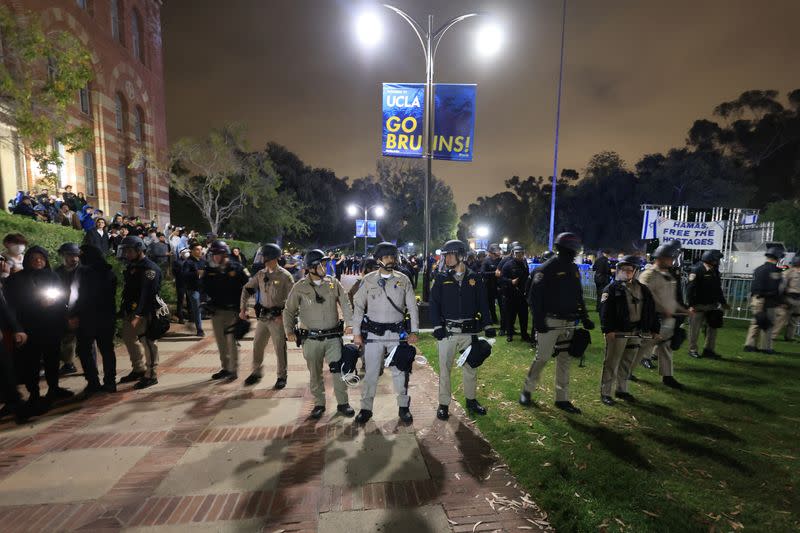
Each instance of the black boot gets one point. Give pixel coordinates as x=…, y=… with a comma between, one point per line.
x=252, y=379
x=474, y=407
x=525, y=398
x=443, y=412
x=131, y=377
x=317, y=412
x=345, y=410
x=363, y=416
x=607, y=400
x=568, y=407
x=405, y=415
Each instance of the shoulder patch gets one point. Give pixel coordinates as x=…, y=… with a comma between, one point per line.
x=150, y=274
x=232, y=273
x=471, y=282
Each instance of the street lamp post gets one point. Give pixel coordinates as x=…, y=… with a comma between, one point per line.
x=353, y=209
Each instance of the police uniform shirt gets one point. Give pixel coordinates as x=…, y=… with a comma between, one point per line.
x=515, y=269
x=454, y=299
x=633, y=296
x=767, y=281
x=662, y=285
x=274, y=288
x=556, y=290
x=791, y=281
x=302, y=302
x=223, y=285
x=372, y=300
x=142, y=284
x=705, y=286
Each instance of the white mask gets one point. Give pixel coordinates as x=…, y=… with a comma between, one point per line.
x=386, y=276
x=317, y=282
x=16, y=249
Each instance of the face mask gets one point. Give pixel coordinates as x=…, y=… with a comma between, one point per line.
x=17, y=249
x=624, y=276
x=386, y=276
x=317, y=282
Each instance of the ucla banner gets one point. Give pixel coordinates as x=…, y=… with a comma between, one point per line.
x=454, y=123
x=403, y=108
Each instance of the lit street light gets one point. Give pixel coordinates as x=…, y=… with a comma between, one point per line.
x=482, y=232
x=369, y=30
x=377, y=209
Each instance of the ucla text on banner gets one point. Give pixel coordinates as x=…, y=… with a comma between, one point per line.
x=403, y=108
x=693, y=235
x=454, y=123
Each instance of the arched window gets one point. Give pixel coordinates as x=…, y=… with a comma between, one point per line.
x=137, y=37
x=138, y=124
x=84, y=94
x=119, y=112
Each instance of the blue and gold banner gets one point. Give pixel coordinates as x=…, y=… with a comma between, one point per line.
x=403, y=112
x=454, y=122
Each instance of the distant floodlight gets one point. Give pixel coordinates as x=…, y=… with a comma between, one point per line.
x=352, y=210
x=482, y=231
x=369, y=28
x=489, y=39
x=379, y=211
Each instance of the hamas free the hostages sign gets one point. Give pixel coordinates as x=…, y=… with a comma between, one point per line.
x=692, y=235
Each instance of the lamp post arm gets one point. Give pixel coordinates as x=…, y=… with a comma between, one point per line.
x=418, y=30
x=438, y=34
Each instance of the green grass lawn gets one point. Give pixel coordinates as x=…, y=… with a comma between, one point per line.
x=719, y=456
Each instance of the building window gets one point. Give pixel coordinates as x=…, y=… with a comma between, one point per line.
x=123, y=183
x=136, y=36
x=138, y=124
x=119, y=112
x=58, y=169
x=115, y=26
x=140, y=187
x=84, y=97
x=89, y=173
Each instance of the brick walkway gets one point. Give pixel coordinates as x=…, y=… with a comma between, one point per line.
x=191, y=453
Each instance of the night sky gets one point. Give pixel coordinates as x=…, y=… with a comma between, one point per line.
x=637, y=74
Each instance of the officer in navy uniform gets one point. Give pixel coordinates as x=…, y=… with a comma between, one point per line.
x=765, y=297
x=459, y=309
x=488, y=268
x=223, y=282
x=142, y=283
x=704, y=294
x=514, y=280
x=556, y=301
x=501, y=286
x=379, y=311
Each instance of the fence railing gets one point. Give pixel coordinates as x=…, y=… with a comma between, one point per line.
x=736, y=291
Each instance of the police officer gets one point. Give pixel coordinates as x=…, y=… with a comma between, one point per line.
x=556, y=301
x=313, y=302
x=380, y=308
x=602, y=273
x=501, y=286
x=704, y=294
x=70, y=260
x=662, y=284
x=222, y=284
x=271, y=284
x=459, y=309
x=369, y=265
x=765, y=295
x=514, y=279
x=789, y=312
x=192, y=273
x=142, y=283
x=488, y=268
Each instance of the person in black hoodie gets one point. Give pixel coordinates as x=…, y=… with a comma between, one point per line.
x=93, y=318
x=11, y=336
x=37, y=294
x=627, y=309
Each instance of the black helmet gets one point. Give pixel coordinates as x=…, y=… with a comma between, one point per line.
x=314, y=258
x=775, y=253
x=665, y=250
x=271, y=251
x=518, y=249
x=132, y=241
x=631, y=260
x=547, y=255
x=454, y=247
x=383, y=249
x=710, y=256
x=370, y=265
x=675, y=244
x=568, y=241
x=219, y=247
x=69, y=248
x=238, y=329
x=494, y=248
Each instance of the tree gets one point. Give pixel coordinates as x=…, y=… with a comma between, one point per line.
x=219, y=176
x=41, y=74
x=786, y=215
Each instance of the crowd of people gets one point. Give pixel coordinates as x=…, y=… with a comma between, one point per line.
x=51, y=316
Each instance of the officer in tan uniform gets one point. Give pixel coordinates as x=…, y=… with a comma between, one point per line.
x=765, y=298
x=379, y=313
x=627, y=311
x=273, y=284
x=789, y=312
x=663, y=287
x=312, y=316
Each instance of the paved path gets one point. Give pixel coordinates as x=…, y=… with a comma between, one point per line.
x=191, y=453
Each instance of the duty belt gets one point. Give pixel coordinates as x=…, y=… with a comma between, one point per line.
x=575, y=316
x=462, y=326
x=320, y=334
x=270, y=312
x=380, y=328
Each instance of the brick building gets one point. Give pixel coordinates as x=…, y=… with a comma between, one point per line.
x=124, y=104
